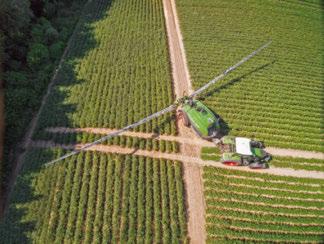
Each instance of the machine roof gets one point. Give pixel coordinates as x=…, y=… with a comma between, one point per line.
x=243, y=146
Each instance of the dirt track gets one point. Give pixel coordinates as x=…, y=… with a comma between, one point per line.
x=182, y=86
x=190, y=139
x=191, y=162
x=294, y=153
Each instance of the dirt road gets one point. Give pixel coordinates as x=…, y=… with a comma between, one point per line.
x=190, y=139
x=294, y=153
x=182, y=86
x=191, y=163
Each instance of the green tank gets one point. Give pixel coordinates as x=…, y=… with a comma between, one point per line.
x=201, y=119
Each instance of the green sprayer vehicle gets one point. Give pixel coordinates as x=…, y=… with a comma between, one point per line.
x=236, y=151
x=201, y=118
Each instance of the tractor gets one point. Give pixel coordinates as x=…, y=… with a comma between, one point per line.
x=240, y=151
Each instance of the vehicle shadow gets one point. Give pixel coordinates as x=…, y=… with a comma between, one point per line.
x=225, y=128
x=233, y=81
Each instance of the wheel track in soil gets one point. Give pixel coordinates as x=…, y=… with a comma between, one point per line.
x=268, y=180
x=212, y=189
x=215, y=237
x=264, y=221
x=252, y=203
x=265, y=188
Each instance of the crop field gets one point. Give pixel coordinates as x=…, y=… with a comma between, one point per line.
x=210, y=153
x=116, y=72
x=254, y=207
x=276, y=97
x=96, y=198
x=298, y=163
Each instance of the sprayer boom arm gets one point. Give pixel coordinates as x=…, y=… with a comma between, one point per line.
x=164, y=111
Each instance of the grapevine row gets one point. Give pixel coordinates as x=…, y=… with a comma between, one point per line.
x=98, y=198
x=264, y=207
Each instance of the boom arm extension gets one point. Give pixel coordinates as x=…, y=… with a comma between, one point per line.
x=116, y=133
x=164, y=111
x=229, y=70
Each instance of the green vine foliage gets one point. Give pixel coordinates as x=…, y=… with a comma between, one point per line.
x=276, y=97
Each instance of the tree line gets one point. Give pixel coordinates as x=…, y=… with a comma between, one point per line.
x=33, y=34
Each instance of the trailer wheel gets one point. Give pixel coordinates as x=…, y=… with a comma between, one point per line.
x=258, y=166
x=185, y=119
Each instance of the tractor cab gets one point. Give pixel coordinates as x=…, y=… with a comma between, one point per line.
x=201, y=119
x=239, y=151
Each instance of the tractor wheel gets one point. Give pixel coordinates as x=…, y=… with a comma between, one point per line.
x=267, y=158
x=245, y=161
x=257, y=144
x=185, y=119
x=258, y=165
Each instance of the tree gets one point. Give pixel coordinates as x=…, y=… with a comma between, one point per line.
x=37, y=55
x=2, y=124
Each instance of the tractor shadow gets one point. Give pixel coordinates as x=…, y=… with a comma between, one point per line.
x=224, y=127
